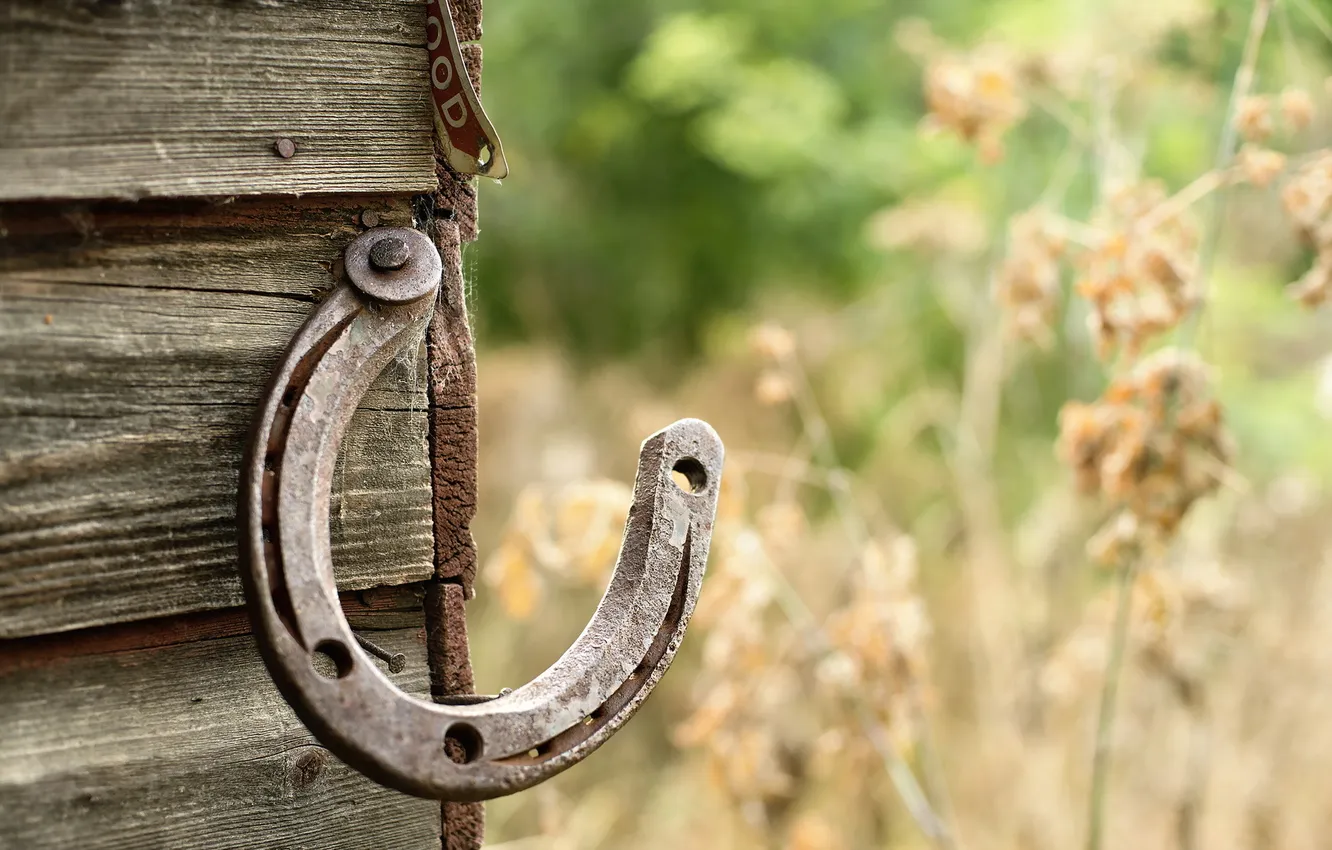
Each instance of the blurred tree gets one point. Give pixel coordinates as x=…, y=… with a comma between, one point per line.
x=675, y=159
x=671, y=158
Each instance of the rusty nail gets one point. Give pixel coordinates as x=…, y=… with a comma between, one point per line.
x=369, y=218
x=397, y=661
x=285, y=147
x=389, y=254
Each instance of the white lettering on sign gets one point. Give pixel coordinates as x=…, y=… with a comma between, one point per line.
x=438, y=37
x=455, y=101
x=448, y=72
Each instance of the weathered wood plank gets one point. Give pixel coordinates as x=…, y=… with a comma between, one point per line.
x=133, y=350
x=187, y=97
x=380, y=608
x=187, y=746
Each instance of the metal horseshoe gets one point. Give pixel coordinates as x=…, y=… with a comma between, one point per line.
x=515, y=740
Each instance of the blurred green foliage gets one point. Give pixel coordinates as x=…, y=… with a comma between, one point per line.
x=677, y=161
x=682, y=168
x=671, y=158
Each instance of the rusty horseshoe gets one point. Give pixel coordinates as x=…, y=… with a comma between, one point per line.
x=512, y=741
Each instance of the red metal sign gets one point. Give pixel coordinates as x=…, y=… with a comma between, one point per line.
x=473, y=145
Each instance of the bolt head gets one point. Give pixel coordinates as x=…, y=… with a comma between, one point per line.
x=285, y=148
x=389, y=254
x=396, y=265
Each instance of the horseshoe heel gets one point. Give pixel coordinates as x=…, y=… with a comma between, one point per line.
x=515, y=740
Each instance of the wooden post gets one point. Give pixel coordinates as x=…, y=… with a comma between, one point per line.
x=177, y=180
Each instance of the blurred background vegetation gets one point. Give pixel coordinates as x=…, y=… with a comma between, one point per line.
x=738, y=210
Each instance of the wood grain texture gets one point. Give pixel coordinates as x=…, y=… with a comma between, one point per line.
x=134, y=346
x=188, y=746
x=187, y=97
x=379, y=608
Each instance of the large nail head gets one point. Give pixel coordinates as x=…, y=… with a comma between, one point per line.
x=390, y=254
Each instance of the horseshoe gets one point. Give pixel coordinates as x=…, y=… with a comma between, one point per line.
x=522, y=737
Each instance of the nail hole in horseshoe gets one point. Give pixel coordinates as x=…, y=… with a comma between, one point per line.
x=462, y=743
x=331, y=659
x=689, y=475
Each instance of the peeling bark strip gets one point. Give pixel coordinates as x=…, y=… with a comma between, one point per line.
x=463, y=824
x=446, y=641
x=452, y=414
x=451, y=363
x=453, y=436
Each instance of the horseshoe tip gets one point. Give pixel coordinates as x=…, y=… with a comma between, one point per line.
x=689, y=433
